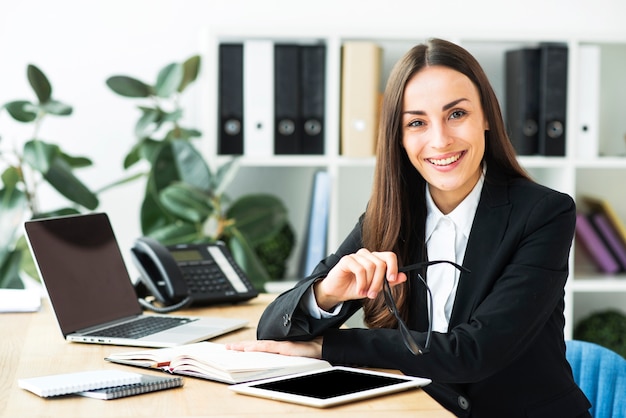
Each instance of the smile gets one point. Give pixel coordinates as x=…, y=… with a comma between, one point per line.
x=446, y=161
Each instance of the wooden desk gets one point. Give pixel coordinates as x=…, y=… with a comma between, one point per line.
x=31, y=345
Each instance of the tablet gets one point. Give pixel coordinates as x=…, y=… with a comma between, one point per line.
x=329, y=386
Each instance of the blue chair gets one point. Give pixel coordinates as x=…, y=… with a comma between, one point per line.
x=601, y=374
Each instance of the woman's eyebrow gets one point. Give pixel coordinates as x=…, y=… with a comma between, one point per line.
x=443, y=108
x=453, y=103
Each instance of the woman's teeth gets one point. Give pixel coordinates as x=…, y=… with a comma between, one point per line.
x=445, y=161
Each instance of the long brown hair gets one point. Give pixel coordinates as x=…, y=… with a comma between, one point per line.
x=396, y=213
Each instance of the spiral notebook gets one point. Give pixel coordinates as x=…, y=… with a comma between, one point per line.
x=148, y=384
x=66, y=383
x=99, y=384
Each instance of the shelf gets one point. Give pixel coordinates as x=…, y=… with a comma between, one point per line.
x=543, y=162
x=595, y=170
x=603, y=163
x=608, y=283
x=279, y=161
x=300, y=161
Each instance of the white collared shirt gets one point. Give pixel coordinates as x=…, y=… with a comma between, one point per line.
x=462, y=218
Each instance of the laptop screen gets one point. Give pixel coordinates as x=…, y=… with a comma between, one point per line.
x=83, y=270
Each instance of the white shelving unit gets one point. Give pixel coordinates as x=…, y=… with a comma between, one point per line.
x=290, y=176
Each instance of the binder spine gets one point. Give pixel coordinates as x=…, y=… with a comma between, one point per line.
x=317, y=229
x=610, y=238
x=258, y=87
x=553, y=99
x=287, y=135
x=312, y=83
x=360, y=81
x=594, y=245
x=230, y=99
x=588, y=102
x=522, y=99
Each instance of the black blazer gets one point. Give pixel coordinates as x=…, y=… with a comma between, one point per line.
x=504, y=353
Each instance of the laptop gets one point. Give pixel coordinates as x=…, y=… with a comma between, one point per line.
x=92, y=296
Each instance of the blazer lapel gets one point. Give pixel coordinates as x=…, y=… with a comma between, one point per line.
x=488, y=228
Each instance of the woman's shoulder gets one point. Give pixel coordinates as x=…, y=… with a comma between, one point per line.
x=523, y=192
x=531, y=186
x=531, y=192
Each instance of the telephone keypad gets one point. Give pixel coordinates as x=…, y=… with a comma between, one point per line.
x=206, y=278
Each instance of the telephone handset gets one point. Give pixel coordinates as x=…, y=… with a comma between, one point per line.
x=185, y=274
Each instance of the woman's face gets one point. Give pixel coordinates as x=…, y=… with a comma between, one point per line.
x=444, y=132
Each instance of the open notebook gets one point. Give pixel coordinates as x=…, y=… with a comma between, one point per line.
x=82, y=268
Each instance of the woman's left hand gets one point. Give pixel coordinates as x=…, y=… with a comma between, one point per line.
x=311, y=348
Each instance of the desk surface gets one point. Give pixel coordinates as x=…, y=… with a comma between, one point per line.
x=31, y=345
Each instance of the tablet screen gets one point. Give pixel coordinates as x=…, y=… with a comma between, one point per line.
x=328, y=387
x=330, y=383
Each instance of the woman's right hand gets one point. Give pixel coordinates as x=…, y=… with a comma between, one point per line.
x=357, y=276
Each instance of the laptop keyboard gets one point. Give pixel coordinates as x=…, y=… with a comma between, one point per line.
x=141, y=327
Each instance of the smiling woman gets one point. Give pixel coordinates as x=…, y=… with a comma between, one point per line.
x=447, y=187
x=444, y=133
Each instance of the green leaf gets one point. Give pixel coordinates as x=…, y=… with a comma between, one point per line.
x=61, y=178
x=56, y=212
x=191, y=166
x=10, y=270
x=39, y=82
x=11, y=177
x=21, y=110
x=133, y=156
x=192, y=133
x=275, y=252
x=129, y=86
x=258, y=216
x=178, y=233
x=225, y=175
x=39, y=155
x=187, y=203
x=76, y=162
x=172, y=116
x=12, y=207
x=182, y=133
x=57, y=108
x=56, y=169
x=178, y=160
x=191, y=70
x=247, y=259
x=148, y=123
x=149, y=149
x=164, y=168
x=27, y=264
x=173, y=162
x=120, y=182
x=168, y=80
x=153, y=216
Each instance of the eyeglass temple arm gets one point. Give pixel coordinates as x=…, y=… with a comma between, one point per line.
x=422, y=264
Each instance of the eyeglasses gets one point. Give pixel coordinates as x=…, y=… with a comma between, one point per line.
x=408, y=339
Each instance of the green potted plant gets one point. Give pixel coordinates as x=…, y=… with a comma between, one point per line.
x=606, y=328
x=28, y=166
x=184, y=200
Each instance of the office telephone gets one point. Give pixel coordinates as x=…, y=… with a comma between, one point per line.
x=181, y=275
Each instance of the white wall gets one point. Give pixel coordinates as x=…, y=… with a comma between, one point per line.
x=79, y=44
